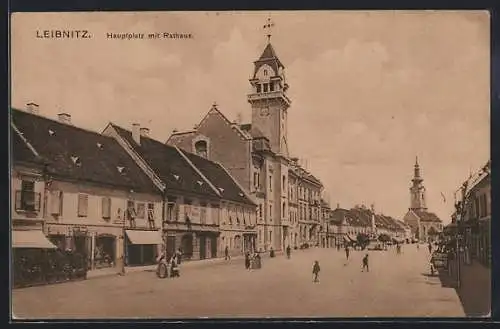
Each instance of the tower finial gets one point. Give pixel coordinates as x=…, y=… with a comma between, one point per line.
x=416, y=160
x=267, y=28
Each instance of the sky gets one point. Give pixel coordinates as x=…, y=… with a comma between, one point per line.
x=370, y=91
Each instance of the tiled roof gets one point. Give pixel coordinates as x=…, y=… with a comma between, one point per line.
x=218, y=176
x=426, y=216
x=80, y=154
x=168, y=164
x=21, y=151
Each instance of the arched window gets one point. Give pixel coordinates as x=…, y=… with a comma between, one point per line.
x=284, y=209
x=201, y=148
x=265, y=72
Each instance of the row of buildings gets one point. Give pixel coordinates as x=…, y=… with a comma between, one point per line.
x=471, y=221
x=122, y=197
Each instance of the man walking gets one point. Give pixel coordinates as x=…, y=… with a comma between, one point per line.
x=347, y=252
x=430, y=248
x=316, y=270
x=365, y=264
x=288, y=252
x=226, y=253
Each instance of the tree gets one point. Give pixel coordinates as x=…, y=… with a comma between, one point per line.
x=384, y=238
x=363, y=240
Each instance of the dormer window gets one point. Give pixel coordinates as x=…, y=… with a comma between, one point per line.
x=266, y=86
x=259, y=88
x=76, y=160
x=265, y=72
x=201, y=148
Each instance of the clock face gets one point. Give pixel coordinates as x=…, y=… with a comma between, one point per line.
x=264, y=111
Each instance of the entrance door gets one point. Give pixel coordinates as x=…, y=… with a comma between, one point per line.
x=213, y=246
x=187, y=245
x=203, y=249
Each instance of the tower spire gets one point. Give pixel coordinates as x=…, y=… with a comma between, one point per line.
x=267, y=28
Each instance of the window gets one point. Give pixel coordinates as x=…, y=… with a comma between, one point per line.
x=266, y=86
x=106, y=207
x=271, y=86
x=259, y=88
x=171, y=214
x=270, y=212
x=151, y=215
x=151, y=211
x=83, y=204
x=27, y=199
x=131, y=214
x=265, y=72
x=271, y=236
x=141, y=210
x=260, y=211
x=203, y=214
x=201, y=148
x=56, y=198
x=270, y=183
x=284, y=210
x=284, y=183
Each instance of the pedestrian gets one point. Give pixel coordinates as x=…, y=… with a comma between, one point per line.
x=178, y=256
x=247, y=260
x=365, y=264
x=316, y=270
x=347, y=252
x=226, y=254
x=430, y=247
x=271, y=253
x=288, y=252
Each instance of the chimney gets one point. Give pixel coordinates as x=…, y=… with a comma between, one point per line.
x=144, y=131
x=338, y=205
x=64, y=118
x=136, y=133
x=32, y=108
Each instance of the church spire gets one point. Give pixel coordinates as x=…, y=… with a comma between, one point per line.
x=417, y=190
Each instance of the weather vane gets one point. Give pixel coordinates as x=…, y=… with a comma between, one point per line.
x=267, y=28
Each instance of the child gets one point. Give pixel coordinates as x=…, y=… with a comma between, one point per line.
x=316, y=270
x=365, y=264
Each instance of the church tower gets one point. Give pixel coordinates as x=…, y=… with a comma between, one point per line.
x=268, y=98
x=417, y=190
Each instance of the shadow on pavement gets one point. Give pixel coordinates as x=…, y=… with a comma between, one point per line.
x=474, y=291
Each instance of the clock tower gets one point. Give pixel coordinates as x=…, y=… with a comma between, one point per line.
x=269, y=100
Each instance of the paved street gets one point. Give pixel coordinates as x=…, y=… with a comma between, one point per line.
x=396, y=286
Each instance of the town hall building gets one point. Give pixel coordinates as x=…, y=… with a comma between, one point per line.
x=257, y=155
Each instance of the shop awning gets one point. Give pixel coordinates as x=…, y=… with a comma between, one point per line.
x=144, y=237
x=31, y=239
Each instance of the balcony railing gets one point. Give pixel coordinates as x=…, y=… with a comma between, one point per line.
x=269, y=94
x=27, y=201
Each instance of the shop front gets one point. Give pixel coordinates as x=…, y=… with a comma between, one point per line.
x=142, y=247
x=196, y=241
x=97, y=244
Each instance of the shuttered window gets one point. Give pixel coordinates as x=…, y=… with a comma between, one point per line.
x=106, y=207
x=83, y=204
